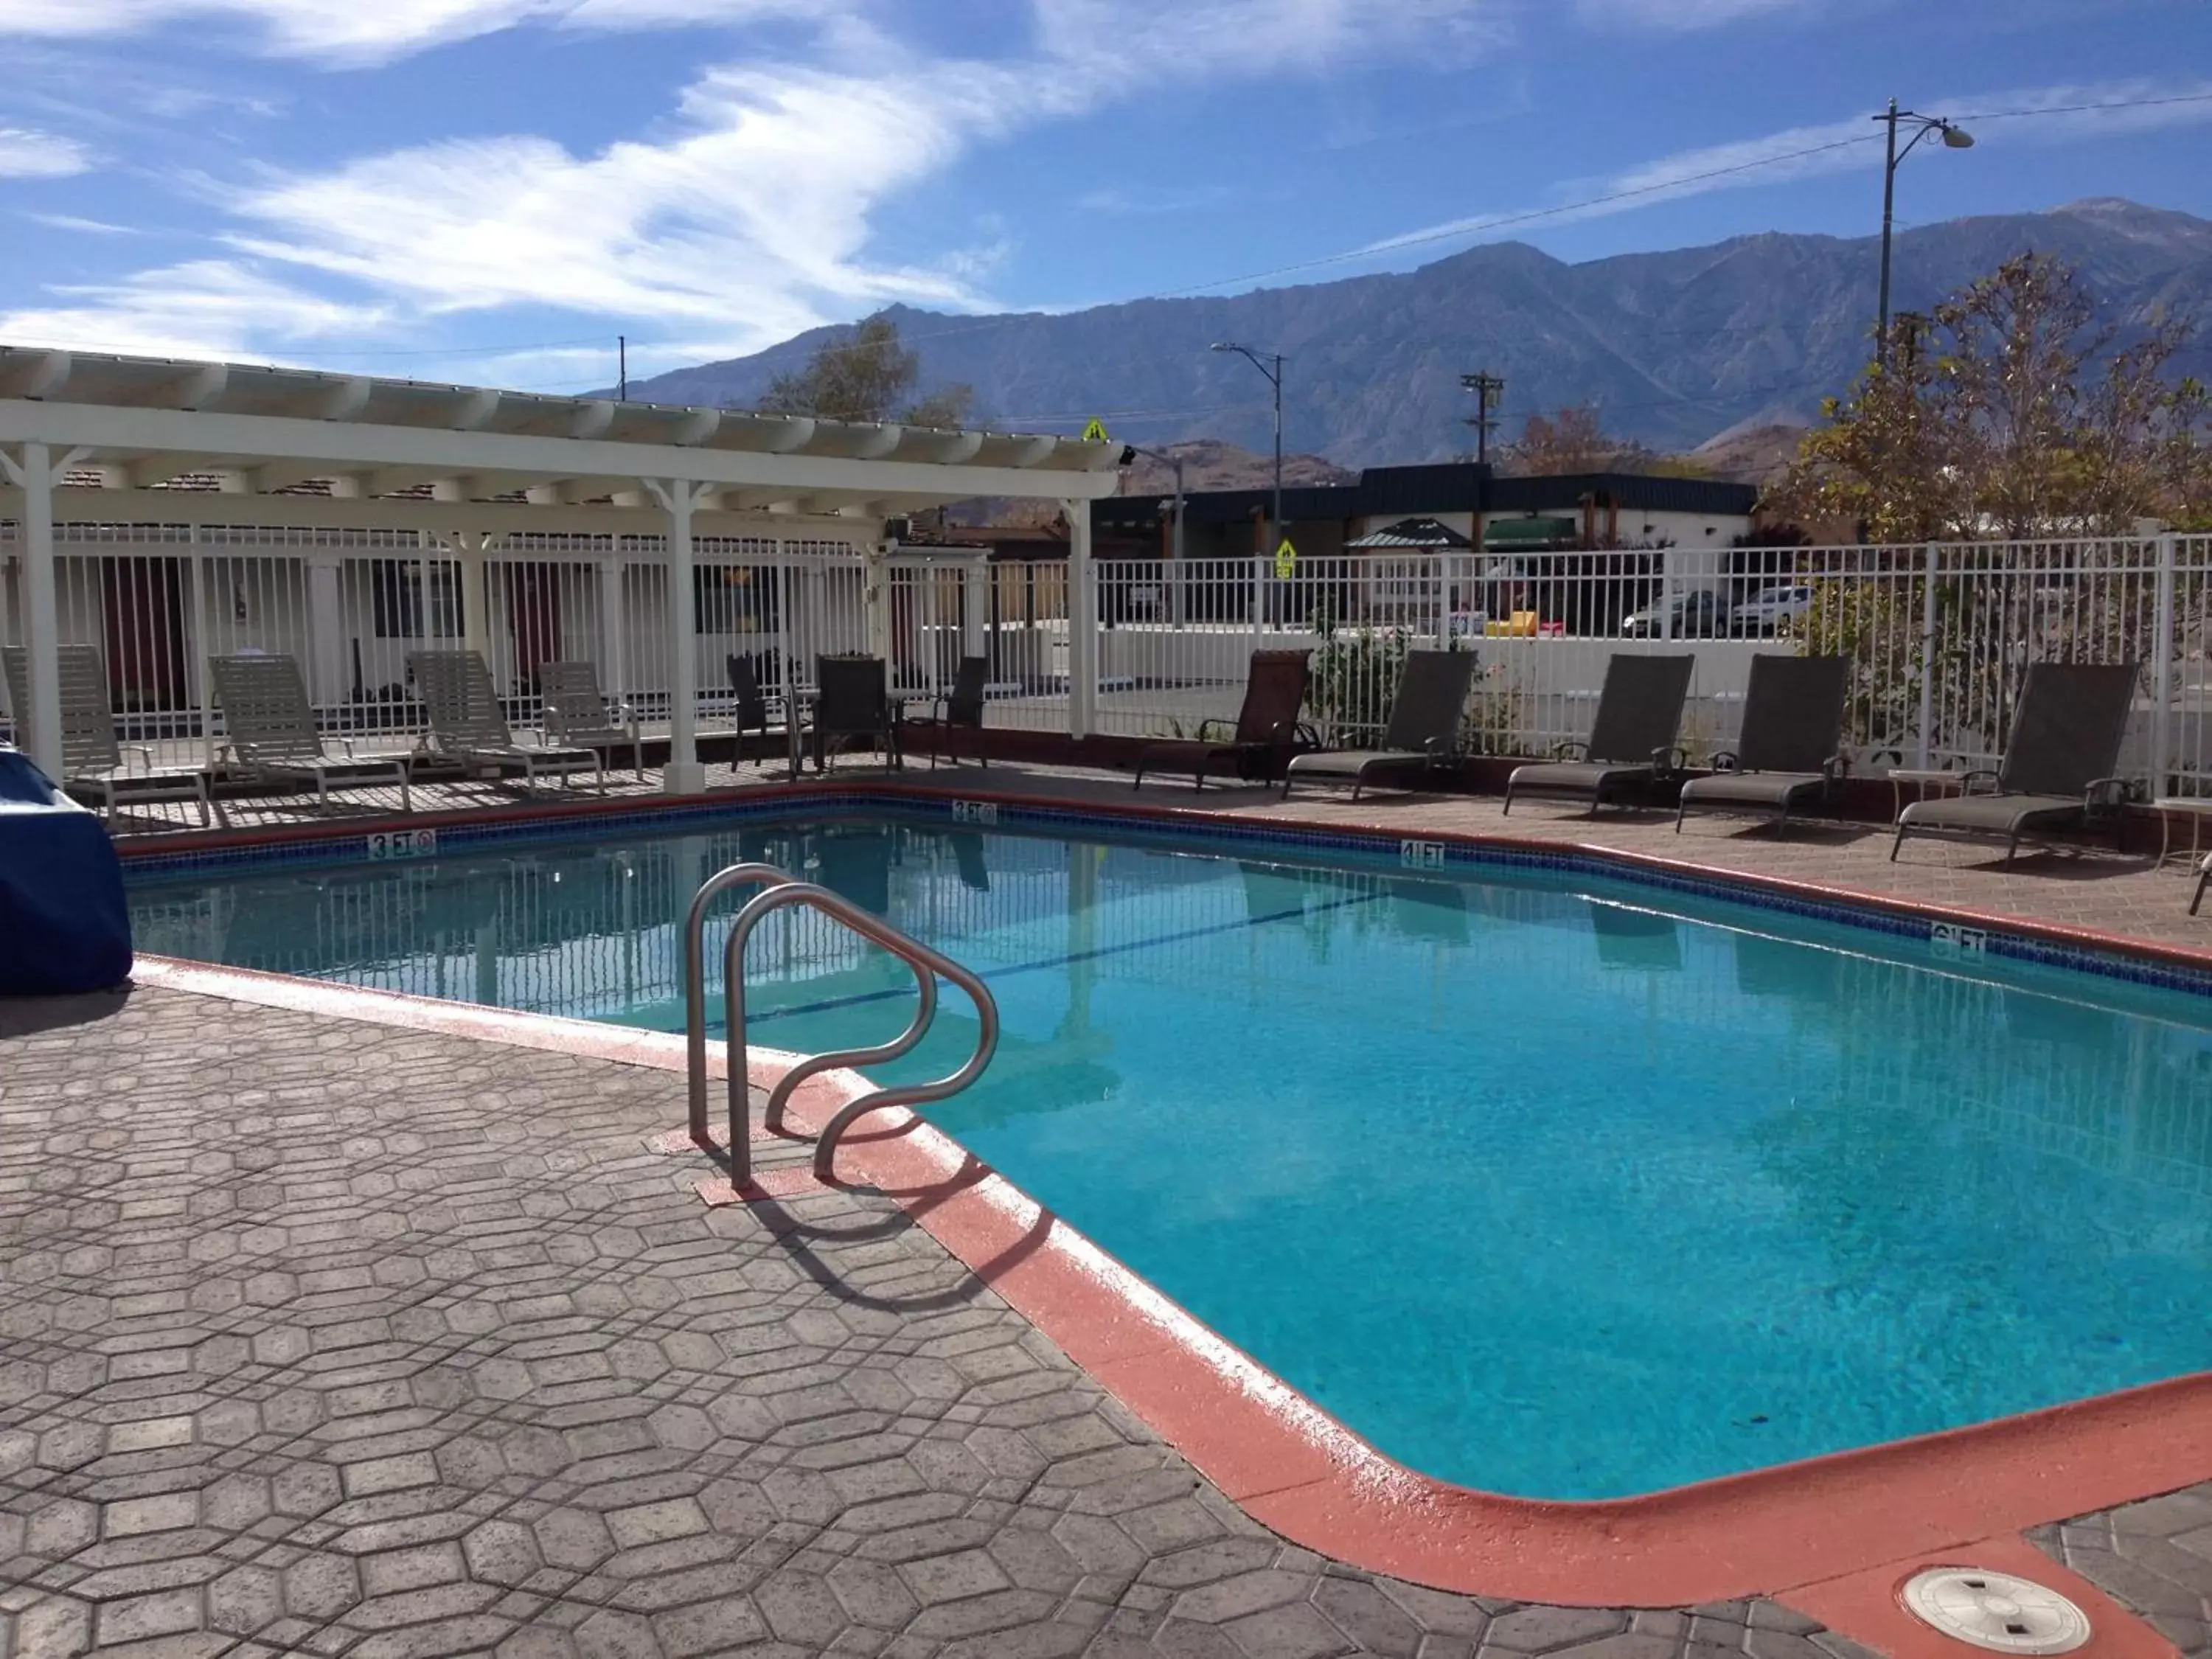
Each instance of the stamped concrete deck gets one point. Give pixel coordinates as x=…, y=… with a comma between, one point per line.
x=321, y=1336
x=324, y=1337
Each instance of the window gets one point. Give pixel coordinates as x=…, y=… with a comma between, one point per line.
x=733, y=599
x=395, y=588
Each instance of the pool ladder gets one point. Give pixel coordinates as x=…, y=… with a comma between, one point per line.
x=779, y=890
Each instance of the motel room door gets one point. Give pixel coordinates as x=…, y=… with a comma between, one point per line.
x=142, y=624
x=533, y=609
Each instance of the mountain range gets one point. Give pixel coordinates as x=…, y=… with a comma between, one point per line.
x=1675, y=348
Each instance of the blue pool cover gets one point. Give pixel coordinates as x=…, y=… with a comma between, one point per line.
x=63, y=925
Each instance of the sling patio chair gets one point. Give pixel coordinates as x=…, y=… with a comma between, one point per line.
x=573, y=712
x=1631, y=742
x=961, y=708
x=749, y=704
x=1266, y=731
x=852, y=700
x=1422, y=732
x=2058, y=768
x=468, y=728
x=270, y=734
x=1793, y=717
x=92, y=755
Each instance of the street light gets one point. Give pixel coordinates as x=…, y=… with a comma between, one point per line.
x=1260, y=360
x=1129, y=453
x=1955, y=138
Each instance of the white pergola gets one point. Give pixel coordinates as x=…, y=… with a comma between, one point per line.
x=107, y=440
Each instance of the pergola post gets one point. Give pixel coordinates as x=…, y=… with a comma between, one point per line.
x=682, y=775
x=1082, y=623
x=39, y=728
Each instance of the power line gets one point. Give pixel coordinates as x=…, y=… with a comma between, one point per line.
x=2079, y=109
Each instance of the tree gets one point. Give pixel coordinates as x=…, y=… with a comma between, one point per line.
x=865, y=375
x=1574, y=440
x=2010, y=412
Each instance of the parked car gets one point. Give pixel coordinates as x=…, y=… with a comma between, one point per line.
x=1764, y=612
x=1697, y=614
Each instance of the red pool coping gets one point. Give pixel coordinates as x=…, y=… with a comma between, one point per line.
x=1833, y=1535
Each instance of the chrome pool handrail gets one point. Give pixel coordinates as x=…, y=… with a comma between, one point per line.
x=780, y=891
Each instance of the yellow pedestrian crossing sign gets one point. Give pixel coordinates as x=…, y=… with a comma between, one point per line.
x=1287, y=560
x=1096, y=432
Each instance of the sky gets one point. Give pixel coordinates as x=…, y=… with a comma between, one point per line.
x=490, y=192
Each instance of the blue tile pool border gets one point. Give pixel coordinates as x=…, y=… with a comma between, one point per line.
x=1961, y=934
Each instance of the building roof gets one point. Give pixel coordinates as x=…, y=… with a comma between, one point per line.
x=1426, y=491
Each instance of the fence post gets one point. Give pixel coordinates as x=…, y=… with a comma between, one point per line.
x=1926, y=718
x=786, y=597
x=1667, y=618
x=195, y=632
x=1082, y=624
x=2162, y=670
x=1258, y=598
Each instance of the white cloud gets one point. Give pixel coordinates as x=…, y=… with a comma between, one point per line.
x=2041, y=115
x=751, y=219
x=210, y=307
x=25, y=154
x=1130, y=39
x=1682, y=16
x=754, y=217
x=72, y=222
x=373, y=31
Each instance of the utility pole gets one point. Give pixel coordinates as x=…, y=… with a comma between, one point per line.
x=1489, y=390
x=621, y=360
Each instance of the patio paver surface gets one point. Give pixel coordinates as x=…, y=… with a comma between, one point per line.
x=320, y=1336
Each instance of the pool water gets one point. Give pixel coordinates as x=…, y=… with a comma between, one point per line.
x=1547, y=1185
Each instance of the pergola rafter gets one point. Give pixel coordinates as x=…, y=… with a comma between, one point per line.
x=87, y=439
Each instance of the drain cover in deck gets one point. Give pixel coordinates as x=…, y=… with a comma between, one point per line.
x=1995, y=1610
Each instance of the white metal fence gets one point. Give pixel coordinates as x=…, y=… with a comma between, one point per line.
x=1938, y=636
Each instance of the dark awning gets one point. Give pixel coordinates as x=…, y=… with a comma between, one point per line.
x=1528, y=532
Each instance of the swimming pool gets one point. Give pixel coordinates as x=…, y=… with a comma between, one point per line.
x=1546, y=1183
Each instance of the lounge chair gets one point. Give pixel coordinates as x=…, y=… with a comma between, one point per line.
x=1632, y=741
x=1423, y=731
x=1793, y=715
x=962, y=708
x=270, y=731
x=1266, y=731
x=852, y=701
x=2058, y=770
x=91, y=756
x=573, y=713
x=468, y=728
